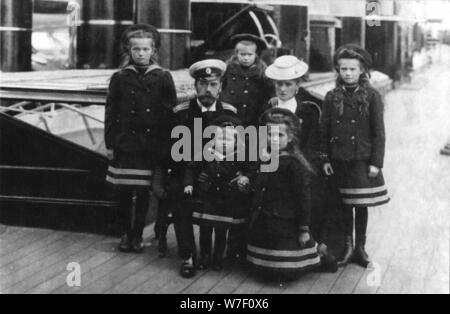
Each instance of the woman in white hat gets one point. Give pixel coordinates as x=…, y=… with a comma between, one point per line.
x=287, y=73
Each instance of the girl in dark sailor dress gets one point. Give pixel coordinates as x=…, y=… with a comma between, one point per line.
x=280, y=244
x=137, y=122
x=222, y=185
x=287, y=72
x=353, y=138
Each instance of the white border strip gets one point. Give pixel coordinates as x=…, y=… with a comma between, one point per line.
x=278, y=253
x=174, y=31
x=364, y=191
x=131, y=172
x=128, y=182
x=14, y=29
x=107, y=22
x=219, y=218
x=364, y=201
x=284, y=265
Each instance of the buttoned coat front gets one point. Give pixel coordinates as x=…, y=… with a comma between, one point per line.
x=139, y=114
x=355, y=134
x=248, y=90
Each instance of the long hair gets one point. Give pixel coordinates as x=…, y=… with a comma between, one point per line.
x=293, y=127
x=365, y=60
x=361, y=95
x=126, y=59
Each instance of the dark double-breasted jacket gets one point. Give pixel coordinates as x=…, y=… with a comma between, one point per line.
x=248, y=90
x=284, y=194
x=216, y=182
x=138, y=115
x=354, y=131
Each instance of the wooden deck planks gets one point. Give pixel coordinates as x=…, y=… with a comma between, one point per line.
x=53, y=254
x=230, y=283
x=99, y=271
x=21, y=239
x=76, y=253
x=33, y=247
x=109, y=281
x=56, y=283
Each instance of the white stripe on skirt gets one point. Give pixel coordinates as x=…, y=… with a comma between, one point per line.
x=137, y=182
x=284, y=265
x=277, y=253
x=364, y=191
x=362, y=201
x=219, y=218
x=130, y=172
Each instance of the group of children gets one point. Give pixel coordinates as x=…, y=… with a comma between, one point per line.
x=266, y=217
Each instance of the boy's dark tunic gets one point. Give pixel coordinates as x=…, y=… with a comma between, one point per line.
x=247, y=89
x=281, y=206
x=223, y=205
x=138, y=118
x=354, y=140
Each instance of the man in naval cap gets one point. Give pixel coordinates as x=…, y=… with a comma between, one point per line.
x=206, y=107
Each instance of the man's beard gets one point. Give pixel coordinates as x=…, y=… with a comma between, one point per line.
x=207, y=100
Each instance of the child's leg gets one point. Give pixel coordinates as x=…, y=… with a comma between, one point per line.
x=142, y=204
x=362, y=217
x=124, y=199
x=162, y=221
x=206, y=240
x=348, y=232
x=237, y=242
x=220, y=243
x=205, y=246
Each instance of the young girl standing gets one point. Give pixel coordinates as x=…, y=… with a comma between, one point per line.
x=280, y=243
x=137, y=129
x=353, y=138
x=287, y=72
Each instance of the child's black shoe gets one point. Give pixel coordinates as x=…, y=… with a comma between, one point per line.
x=162, y=247
x=204, y=263
x=217, y=265
x=328, y=264
x=125, y=244
x=138, y=245
x=328, y=261
x=188, y=269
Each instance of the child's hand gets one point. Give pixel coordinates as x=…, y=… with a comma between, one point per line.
x=304, y=238
x=243, y=182
x=328, y=169
x=189, y=190
x=110, y=154
x=374, y=171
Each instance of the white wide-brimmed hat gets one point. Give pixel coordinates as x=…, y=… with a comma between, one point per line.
x=287, y=68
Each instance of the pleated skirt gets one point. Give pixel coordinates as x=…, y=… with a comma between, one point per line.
x=355, y=186
x=130, y=170
x=273, y=248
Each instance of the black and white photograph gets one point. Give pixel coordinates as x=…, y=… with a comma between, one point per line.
x=230, y=153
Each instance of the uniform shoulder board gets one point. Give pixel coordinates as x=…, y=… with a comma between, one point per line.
x=181, y=107
x=229, y=107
